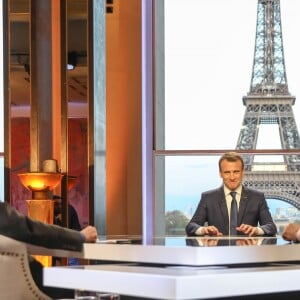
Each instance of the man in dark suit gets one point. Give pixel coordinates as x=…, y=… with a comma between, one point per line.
x=24, y=229
x=214, y=207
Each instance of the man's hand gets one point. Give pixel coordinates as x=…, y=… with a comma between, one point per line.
x=248, y=229
x=90, y=234
x=290, y=232
x=211, y=230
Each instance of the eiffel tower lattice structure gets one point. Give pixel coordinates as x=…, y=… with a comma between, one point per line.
x=269, y=102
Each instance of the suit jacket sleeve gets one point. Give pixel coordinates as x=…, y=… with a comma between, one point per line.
x=209, y=212
x=256, y=200
x=197, y=220
x=20, y=227
x=200, y=216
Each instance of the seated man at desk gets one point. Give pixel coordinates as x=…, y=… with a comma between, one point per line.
x=232, y=209
x=24, y=229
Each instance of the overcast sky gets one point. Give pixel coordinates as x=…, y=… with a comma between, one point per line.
x=209, y=56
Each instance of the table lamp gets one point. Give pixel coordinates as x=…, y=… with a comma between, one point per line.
x=41, y=206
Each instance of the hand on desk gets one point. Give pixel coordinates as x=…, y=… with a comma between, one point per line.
x=290, y=232
x=211, y=230
x=248, y=229
x=90, y=234
x=244, y=228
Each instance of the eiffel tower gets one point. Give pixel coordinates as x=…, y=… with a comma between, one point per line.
x=269, y=102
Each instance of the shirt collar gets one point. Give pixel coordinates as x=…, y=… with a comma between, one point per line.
x=238, y=190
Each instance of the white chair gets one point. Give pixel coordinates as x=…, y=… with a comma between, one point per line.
x=16, y=282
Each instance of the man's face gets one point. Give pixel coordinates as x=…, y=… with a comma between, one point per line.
x=232, y=173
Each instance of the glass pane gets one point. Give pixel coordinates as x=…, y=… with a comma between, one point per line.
x=209, y=52
x=187, y=177
x=209, y=57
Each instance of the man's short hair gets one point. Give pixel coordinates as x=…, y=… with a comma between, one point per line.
x=232, y=157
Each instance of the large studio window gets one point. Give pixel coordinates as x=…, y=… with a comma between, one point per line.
x=208, y=61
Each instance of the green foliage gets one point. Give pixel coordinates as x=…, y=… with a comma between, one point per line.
x=175, y=222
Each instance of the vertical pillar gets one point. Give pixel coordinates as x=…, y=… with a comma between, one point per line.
x=158, y=215
x=97, y=114
x=60, y=120
x=40, y=83
x=45, y=82
x=56, y=75
x=124, y=118
x=147, y=119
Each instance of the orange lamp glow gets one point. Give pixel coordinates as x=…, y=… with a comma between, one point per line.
x=40, y=181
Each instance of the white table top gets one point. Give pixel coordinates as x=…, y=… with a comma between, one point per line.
x=176, y=252
x=176, y=282
x=180, y=268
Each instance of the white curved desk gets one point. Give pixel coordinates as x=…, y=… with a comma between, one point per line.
x=181, y=268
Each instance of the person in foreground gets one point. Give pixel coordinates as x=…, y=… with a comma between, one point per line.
x=215, y=206
x=22, y=228
x=291, y=232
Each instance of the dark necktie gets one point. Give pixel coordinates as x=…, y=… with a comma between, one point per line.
x=233, y=214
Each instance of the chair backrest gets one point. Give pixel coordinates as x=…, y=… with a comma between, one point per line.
x=16, y=281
